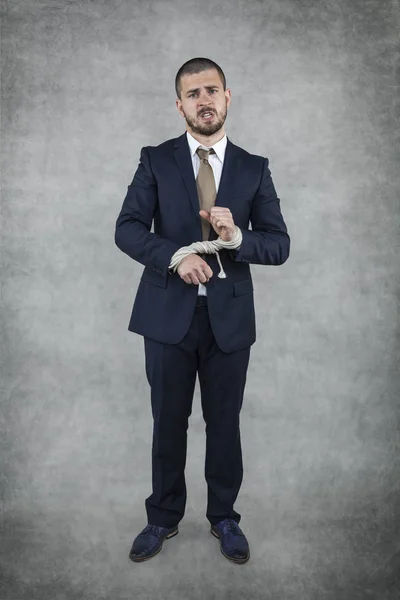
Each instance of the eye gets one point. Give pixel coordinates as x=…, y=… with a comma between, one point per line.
x=192, y=94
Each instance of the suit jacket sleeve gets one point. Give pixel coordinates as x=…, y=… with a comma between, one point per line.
x=268, y=243
x=132, y=229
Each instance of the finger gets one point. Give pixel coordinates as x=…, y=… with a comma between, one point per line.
x=221, y=216
x=203, y=278
x=220, y=211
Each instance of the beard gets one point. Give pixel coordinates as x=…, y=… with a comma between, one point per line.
x=199, y=126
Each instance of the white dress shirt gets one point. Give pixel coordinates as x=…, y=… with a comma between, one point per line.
x=216, y=161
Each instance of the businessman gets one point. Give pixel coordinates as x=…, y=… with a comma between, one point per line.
x=194, y=316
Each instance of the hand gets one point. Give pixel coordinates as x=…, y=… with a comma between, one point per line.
x=221, y=220
x=193, y=269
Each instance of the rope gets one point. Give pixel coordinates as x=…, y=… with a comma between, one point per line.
x=206, y=248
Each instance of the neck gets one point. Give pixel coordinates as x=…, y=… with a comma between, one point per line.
x=206, y=140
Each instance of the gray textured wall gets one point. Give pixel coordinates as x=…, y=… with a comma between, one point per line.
x=314, y=87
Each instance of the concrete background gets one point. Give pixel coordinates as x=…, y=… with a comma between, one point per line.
x=315, y=87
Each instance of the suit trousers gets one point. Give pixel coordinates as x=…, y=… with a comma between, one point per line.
x=171, y=371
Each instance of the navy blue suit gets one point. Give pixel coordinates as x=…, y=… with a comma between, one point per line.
x=184, y=334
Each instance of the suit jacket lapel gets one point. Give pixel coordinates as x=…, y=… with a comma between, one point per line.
x=230, y=171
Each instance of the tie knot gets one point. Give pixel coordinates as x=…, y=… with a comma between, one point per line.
x=204, y=153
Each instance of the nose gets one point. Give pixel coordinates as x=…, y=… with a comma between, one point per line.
x=204, y=101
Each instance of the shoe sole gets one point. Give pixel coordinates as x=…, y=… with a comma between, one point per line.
x=142, y=558
x=235, y=560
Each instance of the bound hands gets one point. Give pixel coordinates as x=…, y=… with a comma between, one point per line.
x=193, y=269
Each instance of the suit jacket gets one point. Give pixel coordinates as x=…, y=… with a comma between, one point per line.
x=164, y=189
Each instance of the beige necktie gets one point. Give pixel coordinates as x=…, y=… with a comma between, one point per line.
x=206, y=189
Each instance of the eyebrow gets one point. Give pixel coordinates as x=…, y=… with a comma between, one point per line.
x=208, y=87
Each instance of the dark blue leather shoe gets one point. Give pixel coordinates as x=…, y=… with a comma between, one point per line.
x=233, y=541
x=150, y=541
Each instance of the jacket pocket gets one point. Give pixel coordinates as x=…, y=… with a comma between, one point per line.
x=151, y=276
x=242, y=287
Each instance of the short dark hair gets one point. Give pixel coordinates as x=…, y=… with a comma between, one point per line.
x=196, y=65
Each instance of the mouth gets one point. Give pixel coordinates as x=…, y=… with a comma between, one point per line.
x=207, y=116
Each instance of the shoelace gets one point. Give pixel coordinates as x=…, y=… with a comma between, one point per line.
x=232, y=527
x=152, y=529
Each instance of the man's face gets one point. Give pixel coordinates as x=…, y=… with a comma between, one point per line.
x=202, y=92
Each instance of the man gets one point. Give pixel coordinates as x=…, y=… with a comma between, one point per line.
x=198, y=187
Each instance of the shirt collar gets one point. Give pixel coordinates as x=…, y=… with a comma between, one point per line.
x=219, y=147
